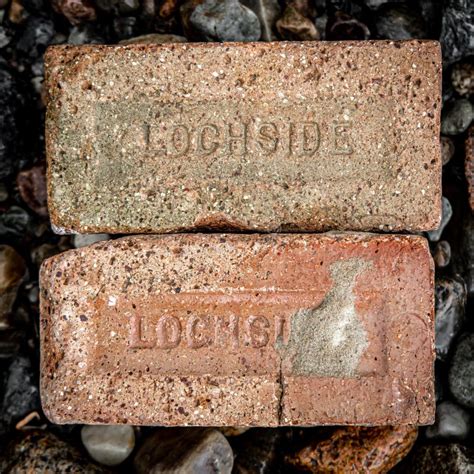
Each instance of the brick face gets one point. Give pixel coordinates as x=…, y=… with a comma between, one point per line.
x=312, y=137
x=244, y=330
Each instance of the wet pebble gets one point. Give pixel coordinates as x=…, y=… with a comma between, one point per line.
x=356, y=449
x=342, y=27
x=462, y=78
x=108, y=445
x=43, y=452
x=32, y=187
x=446, y=214
x=450, y=298
x=14, y=223
x=21, y=393
x=447, y=150
x=13, y=272
x=37, y=34
x=76, y=11
x=219, y=20
x=456, y=117
x=442, y=254
x=399, y=22
x=461, y=371
x=189, y=450
x=296, y=23
x=85, y=34
x=452, y=422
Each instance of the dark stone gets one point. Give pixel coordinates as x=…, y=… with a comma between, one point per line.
x=343, y=26
x=219, y=20
x=37, y=34
x=14, y=223
x=461, y=371
x=462, y=78
x=11, y=123
x=456, y=117
x=32, y=188
x=20, y=393
x=457, y=30
x=447, y=150
x=399, y=22
x=451, y=297
x=125, y=27
x=85, y=34
x=296, y=23
x=43, y=452
x=76, y=11
x=257, y=451
x=436, y=459
x=11, y=340
x=190, y=450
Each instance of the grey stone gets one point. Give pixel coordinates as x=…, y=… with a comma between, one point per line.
x=222, y=20
x=399, y=22
x=186, y=450
x=452, y=422
x=450, y=300
x=447, y=213
x=108, y=445
x=456, y=117
x=447, y=150
x=457, y=31
x=462, y=78
x=83, y=240
x=267, y=12
x=461, y=371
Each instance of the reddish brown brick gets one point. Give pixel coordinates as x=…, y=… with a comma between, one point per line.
x=239, y=330
x=469, y=164
x=283, y=136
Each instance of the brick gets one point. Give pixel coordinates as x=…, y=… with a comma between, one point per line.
x=239, y=330
x=312, y=137
x=469, y=164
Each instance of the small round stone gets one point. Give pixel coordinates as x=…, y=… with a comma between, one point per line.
x=457, y=117
x=447, y=150
x=108, y=445
x=442, y=254
x=452, y=421
x=462, y=78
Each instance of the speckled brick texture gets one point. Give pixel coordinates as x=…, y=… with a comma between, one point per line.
x=239, y=330
x=307, y=136
x=469, y=165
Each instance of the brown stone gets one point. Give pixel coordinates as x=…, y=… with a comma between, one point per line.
x=32, y=188
x=314, y=136
x=469, y=165
x=357, y=449
x=239, y=330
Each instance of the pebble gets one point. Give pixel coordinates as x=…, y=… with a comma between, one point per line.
x=399, y=22
x=257, y=451
x=457, y=30
x=450, y=300
x=32, y=188
x=37, y=34
x=85, y=34
x=447, y=150
x=20, y=393
x=108, y=445
x=342, y=26
x=14, y=223
x=76, y=11
x=155, y=38
x=83, y=240
x=187, y=450
x=43, y=452
x=10, y=120
x=43, y=251
x=125, y=27
x=294, y=24
x=446, y=214
x=461, y=371
x=462, y=78
x=439, y=459
x=13, y=272
x=267, y=12
x=456, y=117
x=442, y=254
x=452, y=422
x=219, y=20
x=356, y=449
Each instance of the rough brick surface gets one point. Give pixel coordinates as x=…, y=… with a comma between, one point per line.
x=283, y=136
x=469, y=165
x=239, y=330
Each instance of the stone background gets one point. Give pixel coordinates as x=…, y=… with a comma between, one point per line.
x=28, y=440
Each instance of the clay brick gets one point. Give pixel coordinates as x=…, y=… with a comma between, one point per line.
x=239, y=330
x=284, y=136
x=469, y=165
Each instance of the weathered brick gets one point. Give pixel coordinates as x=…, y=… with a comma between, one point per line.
x=283, y=136
x=469, y=165
x=239, y=330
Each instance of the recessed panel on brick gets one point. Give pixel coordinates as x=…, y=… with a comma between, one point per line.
x=284, y=136
x=241, y=330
